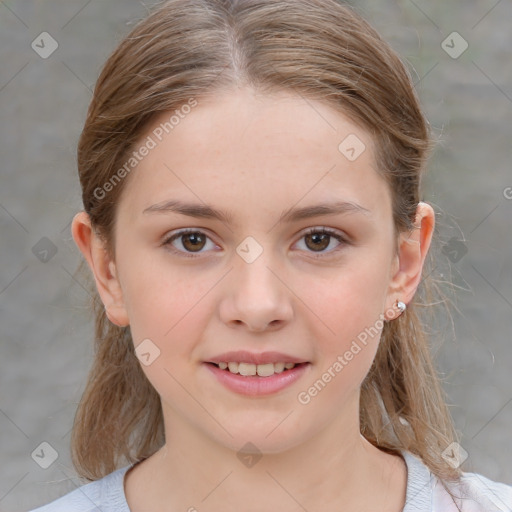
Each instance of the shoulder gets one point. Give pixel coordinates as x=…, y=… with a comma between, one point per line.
x=104, y=495
x=473, y=493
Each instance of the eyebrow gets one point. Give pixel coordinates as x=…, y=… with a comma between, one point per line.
x=291, y=215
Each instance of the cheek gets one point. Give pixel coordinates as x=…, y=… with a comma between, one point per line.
x=347, y=337
x=173, y=317
x=351, y=307
x=348, y=304
x=166, y=305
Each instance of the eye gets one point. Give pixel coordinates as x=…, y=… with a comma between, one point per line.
x=319, y=239
x=192, y=240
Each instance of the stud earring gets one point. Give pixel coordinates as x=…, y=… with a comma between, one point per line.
x=400, y=306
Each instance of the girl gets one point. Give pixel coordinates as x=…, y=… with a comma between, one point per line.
x=252, y=219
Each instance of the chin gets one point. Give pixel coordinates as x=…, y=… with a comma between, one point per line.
x=263, y=439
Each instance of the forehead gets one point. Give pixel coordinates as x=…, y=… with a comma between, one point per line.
x=249, y=151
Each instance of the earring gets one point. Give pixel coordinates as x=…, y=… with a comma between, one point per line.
x=400, y=306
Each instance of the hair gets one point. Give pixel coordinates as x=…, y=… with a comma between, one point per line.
x=324, y=51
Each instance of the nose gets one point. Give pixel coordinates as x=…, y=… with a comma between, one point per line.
x=256, y=297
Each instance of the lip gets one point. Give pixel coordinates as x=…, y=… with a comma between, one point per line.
x=243, y=356
x=258, y=386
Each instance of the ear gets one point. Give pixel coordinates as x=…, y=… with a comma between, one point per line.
x=408, y=265
x=102, y=267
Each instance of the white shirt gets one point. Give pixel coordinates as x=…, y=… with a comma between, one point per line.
x=425, y=493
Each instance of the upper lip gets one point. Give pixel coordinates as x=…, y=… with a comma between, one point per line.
x=243, y=356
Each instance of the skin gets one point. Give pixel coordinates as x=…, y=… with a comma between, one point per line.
x=257, y=156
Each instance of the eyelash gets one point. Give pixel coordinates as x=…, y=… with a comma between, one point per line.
x=323, y=231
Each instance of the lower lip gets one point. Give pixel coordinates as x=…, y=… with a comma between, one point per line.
x=258, y=386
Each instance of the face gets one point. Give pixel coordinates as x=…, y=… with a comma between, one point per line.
x=269, y=274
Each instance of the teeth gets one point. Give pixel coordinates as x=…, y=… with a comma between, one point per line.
x=265, y=370
x=262, y=370
x=247, y=369
x=278, y=367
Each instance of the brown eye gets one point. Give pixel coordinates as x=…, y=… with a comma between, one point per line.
x=317, y=240
x=188, y=243
x=193, y=241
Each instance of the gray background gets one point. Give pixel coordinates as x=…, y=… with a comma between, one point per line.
x=46, y=336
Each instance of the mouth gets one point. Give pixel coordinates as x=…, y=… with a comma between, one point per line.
x=252, y=370
x=257, y=380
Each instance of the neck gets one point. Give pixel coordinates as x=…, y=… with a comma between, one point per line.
x=336, y=466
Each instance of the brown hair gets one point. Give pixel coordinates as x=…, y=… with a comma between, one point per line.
x=323, y=51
